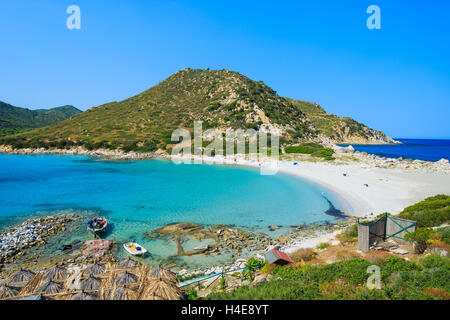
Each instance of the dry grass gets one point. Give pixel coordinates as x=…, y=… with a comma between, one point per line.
x=435, y=292
x=303, y=254
x=376, y=255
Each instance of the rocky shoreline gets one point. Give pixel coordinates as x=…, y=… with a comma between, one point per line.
x=31, y=233
x=235, y=240
x=229, y=240
x=442, y=165
x=102, y=153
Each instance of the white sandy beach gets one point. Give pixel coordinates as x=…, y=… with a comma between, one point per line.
x=389, y=190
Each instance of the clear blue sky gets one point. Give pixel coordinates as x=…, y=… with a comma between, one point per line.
x=396, y=79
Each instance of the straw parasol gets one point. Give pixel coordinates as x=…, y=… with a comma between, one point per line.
x=55, y=274
x=124, y=294
x=162, y=290
x=91, y=283
x=84, y=296
x=128, y=263
x=51, y=287
x=96, y=268
x=8, y=292
x=126, y=278
x=21, y=278
x=163, y=274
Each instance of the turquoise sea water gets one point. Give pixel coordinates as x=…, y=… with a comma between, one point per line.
x=140, y=196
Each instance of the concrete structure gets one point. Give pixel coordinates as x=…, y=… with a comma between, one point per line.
x=382, y=229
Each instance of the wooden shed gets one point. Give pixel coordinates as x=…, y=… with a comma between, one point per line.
x=277, y=257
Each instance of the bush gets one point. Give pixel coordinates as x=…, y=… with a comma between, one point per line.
x=268, y=268
x=347, y=279
x=421, y=237
x=192, y=294
x=131, y=146
x=254, y=264
x=445, y=234
x=308, y=148
x=435, y=261
x=323, y=246
x=314, y=149
x=432, y=211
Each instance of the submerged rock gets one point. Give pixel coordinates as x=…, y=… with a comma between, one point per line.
x=179, y=228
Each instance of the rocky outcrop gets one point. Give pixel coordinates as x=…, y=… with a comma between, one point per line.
x=442, y=165
x=33, y=232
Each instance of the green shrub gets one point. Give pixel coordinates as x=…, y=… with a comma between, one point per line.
x=347, y=280
x=192, y=294
x=445, y=233
x=432, y=211
x=323, y=246
x=421, y=236
x=254, y=264
x=314, y=149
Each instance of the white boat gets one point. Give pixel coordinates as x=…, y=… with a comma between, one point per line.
x=134, y=248
x=201, y=247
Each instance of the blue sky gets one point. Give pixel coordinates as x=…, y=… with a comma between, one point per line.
x=396, y=79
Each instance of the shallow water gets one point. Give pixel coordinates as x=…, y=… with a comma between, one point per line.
x=143, y=195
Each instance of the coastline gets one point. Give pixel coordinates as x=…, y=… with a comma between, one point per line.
x=392, y=185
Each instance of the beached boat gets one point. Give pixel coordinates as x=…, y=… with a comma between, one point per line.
x=97, y=225
x=134, y=248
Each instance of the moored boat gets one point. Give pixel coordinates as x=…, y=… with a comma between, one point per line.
x=97, y=225
x=134, y=249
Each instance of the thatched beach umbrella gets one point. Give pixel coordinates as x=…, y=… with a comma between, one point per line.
x=51, y=287
x=21, y=278
x=129, y=263
x=124, y=294
x=126, y=278
x=163, y=274
x=96, y=268
x=84, y=296
x=162, y=290
x=8, y=292
x=56, y=274
x=91, y=283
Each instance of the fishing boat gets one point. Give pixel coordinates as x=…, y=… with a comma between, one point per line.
x=134, y=249
x=97, y=225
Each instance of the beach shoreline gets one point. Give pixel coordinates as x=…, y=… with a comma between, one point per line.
x=368, y=184
x=364, y=189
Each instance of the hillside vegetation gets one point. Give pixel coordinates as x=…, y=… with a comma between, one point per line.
x=433, y=211
x=341, y=130
x=14, y=119
x=221, y=99
x=402, y=280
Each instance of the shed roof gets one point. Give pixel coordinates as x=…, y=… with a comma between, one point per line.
x=274, y=256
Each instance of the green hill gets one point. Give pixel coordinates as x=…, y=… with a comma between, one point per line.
x=343, y=130
x=221, y=99
x=14, y=119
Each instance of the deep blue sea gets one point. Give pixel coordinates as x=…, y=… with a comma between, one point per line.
x=143, y=195
x=422, y=149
